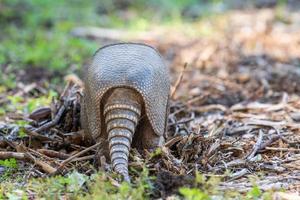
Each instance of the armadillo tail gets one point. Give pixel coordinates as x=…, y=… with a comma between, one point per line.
x=121, y=121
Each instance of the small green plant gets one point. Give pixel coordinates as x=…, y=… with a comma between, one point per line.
x=17, y=195
x=26, y=106
x=75, y=182
x=101, y=188
x=7, y=82
x=254, y=193
x=55, y=187
x=9, y=163
x=204, y=188
x=15, y=102
x=10, y=166
x=156, y=153
x=207, y=184
x=22, y=132
x=280, y=12
x=1, y=194
x=193, y=194
x=34, y=103
x=2, y=111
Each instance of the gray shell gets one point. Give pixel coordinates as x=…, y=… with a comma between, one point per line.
x=131, y=65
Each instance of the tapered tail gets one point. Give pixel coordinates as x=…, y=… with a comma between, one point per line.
x=121, y=121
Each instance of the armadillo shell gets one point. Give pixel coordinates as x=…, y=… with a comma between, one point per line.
x=128, y=65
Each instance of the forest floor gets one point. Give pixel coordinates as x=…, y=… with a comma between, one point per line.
x=234, y=123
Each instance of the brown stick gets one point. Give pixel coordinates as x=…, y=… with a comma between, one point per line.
x=269, y=142
x=77, y=155
x=54, y=154
x=27, y=156
x=83, y=158
x=36, y=135
x=54, y=121
x=45, y=166
x=257, y=145
x=282, y=149
x=209, y=107
x=9, y=154
x=178, y=81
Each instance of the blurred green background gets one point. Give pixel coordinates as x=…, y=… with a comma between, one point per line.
x=35, y=34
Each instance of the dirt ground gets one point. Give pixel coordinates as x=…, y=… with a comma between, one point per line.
x=236, y=107
x=234, y=113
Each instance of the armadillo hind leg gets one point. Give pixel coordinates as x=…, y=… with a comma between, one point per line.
x=122, y=111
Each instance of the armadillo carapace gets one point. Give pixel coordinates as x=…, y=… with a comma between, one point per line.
x=125, y=100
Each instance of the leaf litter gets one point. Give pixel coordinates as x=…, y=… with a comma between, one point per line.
x=234, y=113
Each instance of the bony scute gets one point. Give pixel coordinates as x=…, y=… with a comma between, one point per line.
x=118, y=108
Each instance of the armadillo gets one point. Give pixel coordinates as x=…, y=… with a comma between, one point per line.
x=125, y=102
